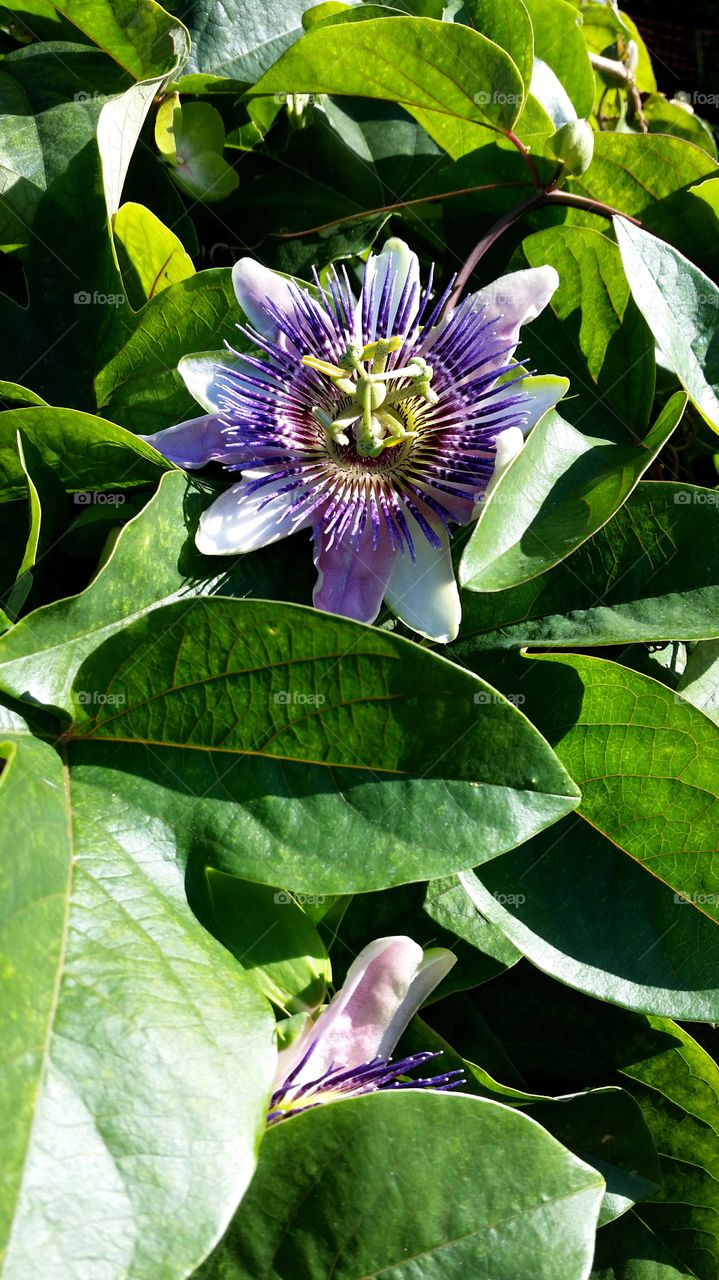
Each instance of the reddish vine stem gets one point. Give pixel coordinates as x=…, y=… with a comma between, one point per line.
x=391, y=208
x=541, y=200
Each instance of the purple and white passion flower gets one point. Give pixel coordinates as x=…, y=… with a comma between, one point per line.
x=346, y=1051
x=377, y=424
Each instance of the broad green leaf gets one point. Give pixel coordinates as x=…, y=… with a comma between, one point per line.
x=352, y=760
x=708, y=193
x=418, y=62
x=51, y=99
x=139, y=34
x=699, y=682
x=651, y=574
x=563, y=1041
x=558, y=41
x=139, y=382
x=48, y=647
x=663, y=116
x=646, y=761
x=135, y=1053
x=273, y=939
x=507, y=23
x=628, y=1250
x=151, y=256
x=12, y=395
x=88, y=452
x=585, y=332
x=240, y=39
x=560, y=490
x=603, y=1127
x=191, y=138
x=600, y=28
x=591, y=917
x=681, y=306
x=651, y=182
x=360, y=1203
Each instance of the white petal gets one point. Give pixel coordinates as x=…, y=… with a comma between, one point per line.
x=543, y=393
x=400, y=262
x=200, y=372
x=351, y=1029
x=254, y=287
x=234, y=525
x=514, y=300
x=508, y=445
x=435, y=965
x=423, y=592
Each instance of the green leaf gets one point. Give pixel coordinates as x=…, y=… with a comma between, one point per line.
x=645, y=760
x=48, y=647
x=135, y=1052
x=49, y=119
x=553, y=899
x=629, y=1249
x=86, y=452
x=139, y=382
x=667, y=117
x=558, y=41
x=681, y=306
x=651, y=182
x=561, y=1040
x=415, y=61
x=151, y=256
x=559, y=491
x=192, y=138
x=240, y=39
x=361, y=1204
x=600, y=28
x=273, y=939
x=507, y=23
x=139, y=34
x=603, y=1127
x=353, y=760
x=699, y=682
x=588, y=328
x=640, y=578
x=12, y=394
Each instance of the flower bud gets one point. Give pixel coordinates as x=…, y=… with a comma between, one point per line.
x=573, y=145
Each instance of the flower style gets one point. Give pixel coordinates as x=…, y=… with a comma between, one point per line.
x=345, y=1052
x=375, y=424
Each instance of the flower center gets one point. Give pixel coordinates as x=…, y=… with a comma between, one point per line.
x=375, y=415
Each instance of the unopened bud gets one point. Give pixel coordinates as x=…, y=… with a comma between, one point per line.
x=573, y=145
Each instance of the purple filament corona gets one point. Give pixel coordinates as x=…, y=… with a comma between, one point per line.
x=380, y=1073
x=269, y=405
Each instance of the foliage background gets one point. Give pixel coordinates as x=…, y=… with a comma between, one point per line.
x=177, y=844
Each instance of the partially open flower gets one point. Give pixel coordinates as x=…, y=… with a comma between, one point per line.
x=375, y=424
x=346, y=1051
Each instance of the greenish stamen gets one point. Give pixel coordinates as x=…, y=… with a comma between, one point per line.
x=371, y=416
